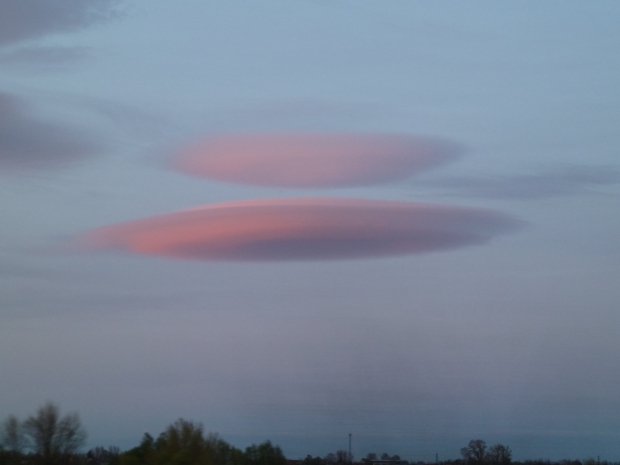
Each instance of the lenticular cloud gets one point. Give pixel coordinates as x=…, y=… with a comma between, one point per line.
x=312, y=159
x=302, y=229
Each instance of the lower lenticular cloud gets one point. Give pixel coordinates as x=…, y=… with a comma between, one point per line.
x=302, y=229
x=312, y=160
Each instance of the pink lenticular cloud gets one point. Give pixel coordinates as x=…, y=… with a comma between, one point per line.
x=312, y=159
x=301, y=229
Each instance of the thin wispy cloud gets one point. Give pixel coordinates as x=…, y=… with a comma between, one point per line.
x=31, y=19
x=302, y=229
x=24, y=22
x=562, y=181
x=28, y=143
x=25, y=141
x=47, y=58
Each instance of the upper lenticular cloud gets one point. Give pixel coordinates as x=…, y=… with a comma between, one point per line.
x=312, y=159
x=302, y=229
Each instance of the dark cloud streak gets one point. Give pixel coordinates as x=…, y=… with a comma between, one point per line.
x=28, y=19
x=41, y=57
x=564, y=181
x=26, y=143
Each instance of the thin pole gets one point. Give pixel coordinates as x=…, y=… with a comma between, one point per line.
x=350, y=456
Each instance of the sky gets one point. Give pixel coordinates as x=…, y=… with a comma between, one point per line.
x=295, y=220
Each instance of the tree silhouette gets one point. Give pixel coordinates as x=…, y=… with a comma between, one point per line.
x=474, y=453
x=52, y=436
x=499, y=454
x=12, y=435
x=264, y=454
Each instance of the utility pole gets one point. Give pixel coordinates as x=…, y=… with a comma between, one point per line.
x=350, y=456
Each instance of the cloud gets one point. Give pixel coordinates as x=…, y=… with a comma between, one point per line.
x=312, y=159
x=26, y=143
x=47, y=58
x=566, y=180
x=27, y=19
x=301, y=229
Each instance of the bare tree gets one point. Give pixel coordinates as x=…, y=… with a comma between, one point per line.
x=53, y=436
x=499, y=455
x=12, y=435
x=342, y=456
x=474, y=453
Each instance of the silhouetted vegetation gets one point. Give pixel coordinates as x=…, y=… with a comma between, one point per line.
x=476, y=453
x=47, y=438
x=184, y=443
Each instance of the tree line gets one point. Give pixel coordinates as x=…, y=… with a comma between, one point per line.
x=184, y=443
x=49, y=438
x=477, y=453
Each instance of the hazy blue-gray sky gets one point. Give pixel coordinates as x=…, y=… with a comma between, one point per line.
x=511, y=338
